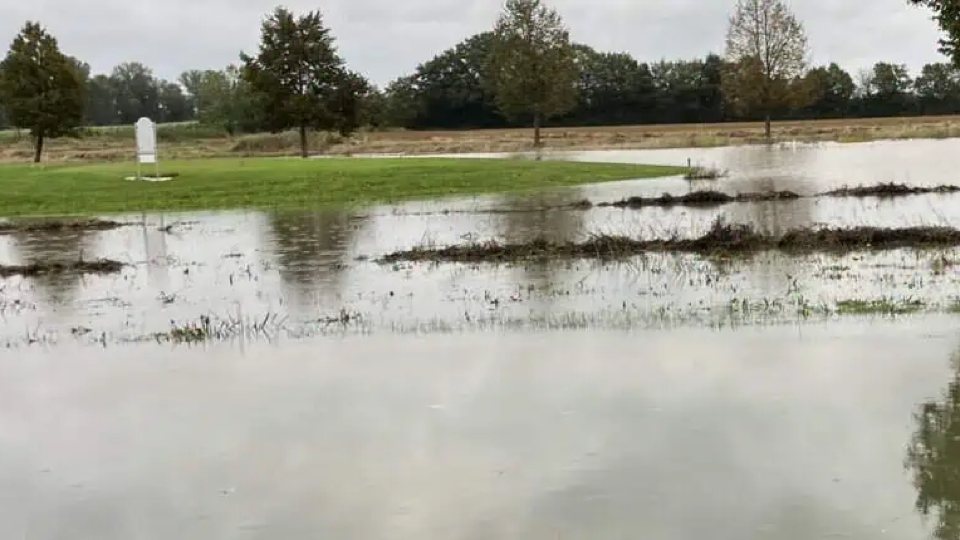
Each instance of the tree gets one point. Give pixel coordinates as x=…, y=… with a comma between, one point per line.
x=101, y=108
x=137, y=92
x=938, y=88
x=947, y=15
x=300, y=76
x=41, y=88
x=831, y=91
x=532, y=65
x=767, y=49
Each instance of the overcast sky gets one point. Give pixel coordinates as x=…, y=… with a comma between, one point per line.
x=388, y=38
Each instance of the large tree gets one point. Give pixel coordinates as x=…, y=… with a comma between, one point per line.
x=766, y=50
x=41, y=89
x=947, y=15
x=532, y=63
x=300, y=76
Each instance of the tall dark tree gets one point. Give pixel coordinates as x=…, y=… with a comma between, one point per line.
x=172, y=103
x=532, y=63
x=41, y=89
x=137, y=92
x=101, y=107
x=831, y=91
x=938, y=88
x=301, y=76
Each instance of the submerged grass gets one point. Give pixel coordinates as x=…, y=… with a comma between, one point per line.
x=701, y=198
x=880, y=306
x=288, y=183
x=722, y=238
x=99, y=266
x=889, y=190
x=58, y=225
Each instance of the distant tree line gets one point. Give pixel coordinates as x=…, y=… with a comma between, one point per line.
x=523, y=72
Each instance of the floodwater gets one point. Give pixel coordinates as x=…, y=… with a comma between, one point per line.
x=668, y=396
x=765, y=432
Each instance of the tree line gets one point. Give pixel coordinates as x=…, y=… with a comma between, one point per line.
x=525, y=71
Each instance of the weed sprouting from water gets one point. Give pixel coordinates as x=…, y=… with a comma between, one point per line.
x=207, y=328
x=705, y=173
x=880, y=306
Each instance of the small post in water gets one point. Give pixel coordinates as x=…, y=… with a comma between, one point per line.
x=146, y=132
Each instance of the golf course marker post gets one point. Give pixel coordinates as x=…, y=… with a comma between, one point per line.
x=146, y=132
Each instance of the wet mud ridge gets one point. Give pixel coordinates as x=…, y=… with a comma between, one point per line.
x=888, y=190
x=58, y=225
x=708, y=198
x=721, y=239
x=100, y=266
x=701, y=198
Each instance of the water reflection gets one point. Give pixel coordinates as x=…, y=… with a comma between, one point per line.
x=934, y=458
x=313, y=249
x=54, y=290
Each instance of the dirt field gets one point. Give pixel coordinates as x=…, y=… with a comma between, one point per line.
x=117, y=144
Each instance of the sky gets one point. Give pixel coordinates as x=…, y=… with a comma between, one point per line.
x=384, y=39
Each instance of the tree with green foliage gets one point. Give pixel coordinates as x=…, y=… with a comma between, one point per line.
x=947, y=15
x=766, y=48
x=532, y=63
x=830, y=90
x=300, y=76
x=938, y=88
x=41, y=88
x=223, y=98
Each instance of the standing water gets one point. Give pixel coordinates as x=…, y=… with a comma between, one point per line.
x=266, y=375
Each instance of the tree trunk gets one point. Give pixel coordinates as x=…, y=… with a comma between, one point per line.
x=536, y=129
x=767, y=132
x=303, y=141
x=38, y=150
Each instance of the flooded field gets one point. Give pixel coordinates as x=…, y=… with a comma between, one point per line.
x=255, y=374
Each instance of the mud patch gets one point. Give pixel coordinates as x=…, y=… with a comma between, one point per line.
x=100, y=266
x=889, y=190
x=721, y=239
x=58, y=225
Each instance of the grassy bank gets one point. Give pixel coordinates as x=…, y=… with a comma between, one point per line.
x=286, y=183
x=192, y=140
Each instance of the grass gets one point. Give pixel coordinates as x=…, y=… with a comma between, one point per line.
x=287, y=183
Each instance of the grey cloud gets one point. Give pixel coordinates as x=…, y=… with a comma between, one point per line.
x=385, y=39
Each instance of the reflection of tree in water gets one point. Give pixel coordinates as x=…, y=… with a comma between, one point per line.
x=554, y=224
x=54, y=246
x=934, y=458
x=313, y=248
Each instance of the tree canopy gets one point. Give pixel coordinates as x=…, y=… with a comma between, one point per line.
x=42, y=90
x=301, y=80
x=532, y=63
x=767, y=50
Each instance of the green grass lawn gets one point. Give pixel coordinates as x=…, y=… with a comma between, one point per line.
x=286, y=183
